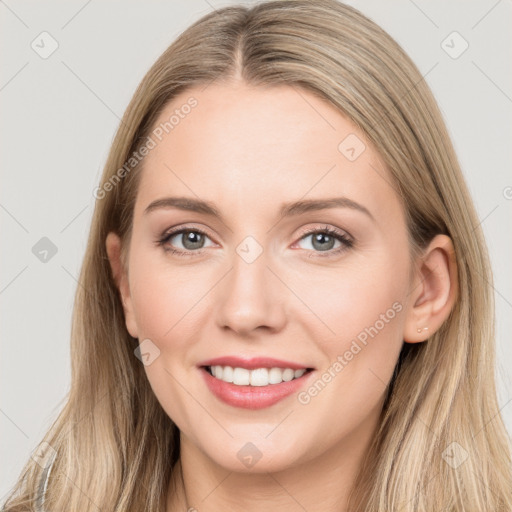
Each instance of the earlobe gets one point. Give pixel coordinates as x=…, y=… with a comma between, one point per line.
x=113, y=247
x=433, y=291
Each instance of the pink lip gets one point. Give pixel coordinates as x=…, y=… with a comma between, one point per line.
x=253, y=397
x=252, y=363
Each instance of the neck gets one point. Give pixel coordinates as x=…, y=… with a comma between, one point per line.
x=323, y=483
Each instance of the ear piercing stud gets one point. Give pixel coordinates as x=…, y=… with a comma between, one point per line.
x=419, y=329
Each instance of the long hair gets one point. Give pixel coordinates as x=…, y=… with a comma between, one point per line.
x=441, y=442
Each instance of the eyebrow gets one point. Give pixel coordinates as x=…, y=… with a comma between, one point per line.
x=286, y=210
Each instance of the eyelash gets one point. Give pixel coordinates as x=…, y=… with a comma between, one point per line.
x=347, y=243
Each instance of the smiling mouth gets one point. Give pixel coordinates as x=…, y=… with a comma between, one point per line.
x=256, y=377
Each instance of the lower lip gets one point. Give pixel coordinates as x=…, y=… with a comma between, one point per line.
x=252, y=397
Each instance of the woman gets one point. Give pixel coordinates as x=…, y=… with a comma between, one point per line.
x=222, y=358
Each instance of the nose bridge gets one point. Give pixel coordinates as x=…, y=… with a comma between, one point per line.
x=250, y=295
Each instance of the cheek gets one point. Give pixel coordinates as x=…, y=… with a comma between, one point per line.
x=364, y=308
x=153, y=304
x=356, y=297
x=163, y=301
x=162, y=295
x=361, y=308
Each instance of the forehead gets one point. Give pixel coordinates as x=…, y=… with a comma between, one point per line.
x=254, y=148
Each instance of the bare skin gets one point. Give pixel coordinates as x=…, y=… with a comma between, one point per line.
x=249, y=150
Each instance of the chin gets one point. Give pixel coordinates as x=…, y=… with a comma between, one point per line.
x=256, y=455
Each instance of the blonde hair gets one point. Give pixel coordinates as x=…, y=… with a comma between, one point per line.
x=114, y=445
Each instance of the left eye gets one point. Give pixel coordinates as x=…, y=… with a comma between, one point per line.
x=324, y=240
x=321, y=241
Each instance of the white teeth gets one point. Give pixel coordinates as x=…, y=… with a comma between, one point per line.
x=241, y=376
x=227, y=374
x=256, y=377
x=259, y=377
x=275, y=376
x=288, y=374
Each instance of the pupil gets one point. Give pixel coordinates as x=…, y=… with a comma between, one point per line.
x=193, y=240
x=322, y=236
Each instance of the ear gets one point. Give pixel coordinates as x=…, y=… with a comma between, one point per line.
x=113, y=245
x=433, y=290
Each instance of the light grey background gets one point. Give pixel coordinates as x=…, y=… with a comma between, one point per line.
x=59, y=116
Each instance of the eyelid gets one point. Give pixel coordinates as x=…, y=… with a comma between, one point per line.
x=186, y=227
x=326, y=227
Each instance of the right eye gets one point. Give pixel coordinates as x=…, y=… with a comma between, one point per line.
x=192, y=241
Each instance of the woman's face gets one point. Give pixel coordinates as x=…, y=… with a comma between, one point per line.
x=262, y=278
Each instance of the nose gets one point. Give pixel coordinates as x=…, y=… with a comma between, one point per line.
x=251, y=297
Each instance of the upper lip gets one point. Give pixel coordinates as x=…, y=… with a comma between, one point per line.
x=252, y=363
